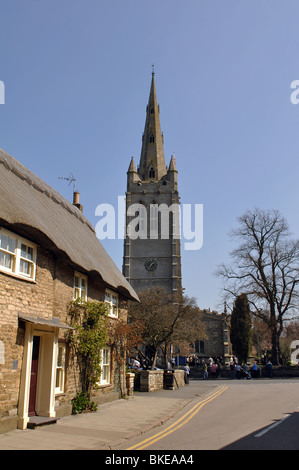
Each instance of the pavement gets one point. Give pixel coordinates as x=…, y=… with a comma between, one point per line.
x=112, y=425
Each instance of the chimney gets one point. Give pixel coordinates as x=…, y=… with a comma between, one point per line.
x=76, y=200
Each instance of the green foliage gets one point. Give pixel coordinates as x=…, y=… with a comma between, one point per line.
x=82, y=403
x=241, y=333
x=89, y=335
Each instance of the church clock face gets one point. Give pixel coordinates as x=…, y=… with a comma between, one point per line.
x=150, y=264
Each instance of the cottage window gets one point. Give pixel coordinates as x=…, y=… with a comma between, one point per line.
x=60, y=368
x=26, y=260
x=17, y=255
x=80, y=287
x=111, y=300
x=105, y=366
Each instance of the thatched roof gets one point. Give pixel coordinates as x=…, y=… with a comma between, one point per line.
x=32, y=207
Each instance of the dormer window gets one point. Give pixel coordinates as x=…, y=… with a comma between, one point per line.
x=152, y=110
x=151, y=172
x=152, y=138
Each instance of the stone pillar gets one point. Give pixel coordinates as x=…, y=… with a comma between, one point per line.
x=130, y=383
x=151, y=380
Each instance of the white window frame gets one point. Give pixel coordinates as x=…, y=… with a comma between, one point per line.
x=17, y=256
x=80, y=292
x=111, y=300
x=105, y=376
x=60, y=368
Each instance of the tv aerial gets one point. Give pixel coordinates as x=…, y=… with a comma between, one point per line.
x=71, y=179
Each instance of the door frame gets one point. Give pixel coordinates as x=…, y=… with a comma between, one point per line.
x=45, y=392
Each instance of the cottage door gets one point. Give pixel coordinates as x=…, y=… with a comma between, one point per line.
x=33, y=379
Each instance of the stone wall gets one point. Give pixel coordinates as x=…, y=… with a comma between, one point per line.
x=151, y=380
x=130, y=383
x=27, y=298
x=47, y=297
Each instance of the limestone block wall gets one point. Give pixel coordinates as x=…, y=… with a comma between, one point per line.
x=47, y=297
x=20, y=297
x=151, y=380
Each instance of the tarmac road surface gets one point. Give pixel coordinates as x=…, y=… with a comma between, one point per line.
x=260, y=414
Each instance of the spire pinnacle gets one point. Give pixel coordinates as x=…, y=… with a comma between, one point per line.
x=172, y=165
x=152, y=161
x=132, y=167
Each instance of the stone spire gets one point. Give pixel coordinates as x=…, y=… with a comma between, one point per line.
x=172, y=165
x=132, y=175
x=152, y=161
x=132, y=167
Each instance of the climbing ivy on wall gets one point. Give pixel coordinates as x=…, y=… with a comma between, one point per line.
x=88, y=336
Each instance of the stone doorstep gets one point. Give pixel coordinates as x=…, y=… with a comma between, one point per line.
x=37, y=421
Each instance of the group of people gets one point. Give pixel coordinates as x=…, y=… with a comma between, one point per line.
x=238, y=370
x=212, y=367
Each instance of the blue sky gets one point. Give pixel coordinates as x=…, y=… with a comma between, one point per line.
x=77, y=78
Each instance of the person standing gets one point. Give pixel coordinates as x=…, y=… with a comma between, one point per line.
x=219, y=369
x=205, y=371
x=269, y=368
x=232, y=369
x=186, y=369
x=213, y=370
x=238, y=370
x=254, y=369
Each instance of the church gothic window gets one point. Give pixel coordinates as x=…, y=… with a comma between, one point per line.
x=151, y=172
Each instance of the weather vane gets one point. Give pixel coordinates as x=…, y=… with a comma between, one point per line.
x=71, y=180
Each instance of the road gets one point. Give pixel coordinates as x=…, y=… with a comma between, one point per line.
x=260, y=414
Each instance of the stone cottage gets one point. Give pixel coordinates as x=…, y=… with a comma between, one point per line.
x=49, y=256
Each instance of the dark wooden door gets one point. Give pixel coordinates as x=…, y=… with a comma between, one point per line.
x=33, y=379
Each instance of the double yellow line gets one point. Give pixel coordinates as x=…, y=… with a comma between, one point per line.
x=179, y=423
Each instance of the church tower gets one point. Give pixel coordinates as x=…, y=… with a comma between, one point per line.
x=152, y=255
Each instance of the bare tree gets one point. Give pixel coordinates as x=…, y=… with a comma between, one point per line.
x=265, y=267
x=162, y=320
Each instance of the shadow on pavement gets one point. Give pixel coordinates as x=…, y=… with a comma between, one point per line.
x=281, y=434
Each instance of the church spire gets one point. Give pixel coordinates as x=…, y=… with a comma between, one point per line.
x=152, y=161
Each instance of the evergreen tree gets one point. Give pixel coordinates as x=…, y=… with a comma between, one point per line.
x=240, y=333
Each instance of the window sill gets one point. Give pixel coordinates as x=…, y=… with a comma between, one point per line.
x=18, y=276
x=104, y=385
